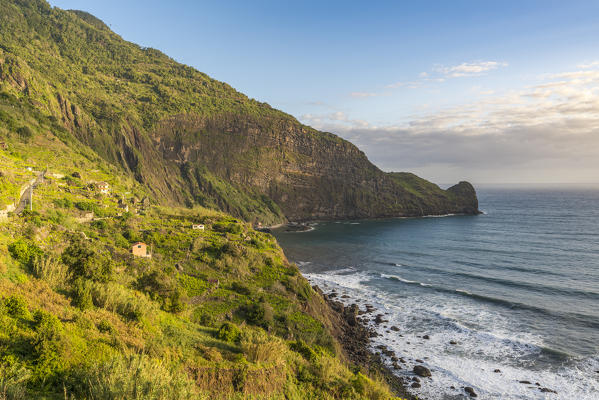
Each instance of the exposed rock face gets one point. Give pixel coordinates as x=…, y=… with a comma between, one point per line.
x=422, y=371
x=193, y=140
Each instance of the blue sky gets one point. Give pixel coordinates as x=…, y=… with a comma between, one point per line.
x=487, y=91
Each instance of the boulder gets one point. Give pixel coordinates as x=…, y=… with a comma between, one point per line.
x=470, y=391
x=422, y=371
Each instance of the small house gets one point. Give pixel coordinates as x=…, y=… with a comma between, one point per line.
x=103, y=187
x=140, y=249
x=199, y=227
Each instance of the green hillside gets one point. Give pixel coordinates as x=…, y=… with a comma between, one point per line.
x=189, y=139
x=214, y=313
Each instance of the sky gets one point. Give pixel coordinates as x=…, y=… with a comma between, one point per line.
x=490, y=92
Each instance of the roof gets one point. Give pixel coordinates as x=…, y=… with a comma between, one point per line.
x=136, y=243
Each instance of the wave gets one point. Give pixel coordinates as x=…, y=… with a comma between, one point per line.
x=400, y=279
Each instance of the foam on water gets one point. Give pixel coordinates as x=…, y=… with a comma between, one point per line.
x=478, y=352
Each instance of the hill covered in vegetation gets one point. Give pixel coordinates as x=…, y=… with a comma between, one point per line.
x=189, y=139
x=214, y=313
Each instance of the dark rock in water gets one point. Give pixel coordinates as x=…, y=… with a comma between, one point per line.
x=394, y=359
x=525, y=382
x=453, y=342
x=427, y=337
x=422, y=371
x=373, y=334
x=537, y=383
x=401, y=360
x=345, y=296
x=351, y=314
x=378, y=319
x=394, y=328
x=333, y=294
x=415, y=379
x=419, y=360
x=415, y=385
x=547, y=390
x=470, y=391
x=452, y=387
x=497, y=371
x=396, y=366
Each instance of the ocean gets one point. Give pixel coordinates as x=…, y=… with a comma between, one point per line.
x=515, y=289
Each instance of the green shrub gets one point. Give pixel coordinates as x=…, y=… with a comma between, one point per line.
x=100, y=224
x=116, y=298
x=240, y=288
x=259, y=347
x=25, y=133
x=136, y=377
x=87, y=262
x=299, y=346
x=82, y=294
x=50, y=270
x=228, y=332
x=13, y=380
x=16, y=307
x=259, y=314
x=105, y=327
x=63, y=203
x=24, y=251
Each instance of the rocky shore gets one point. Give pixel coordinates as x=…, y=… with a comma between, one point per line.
x=355, y=337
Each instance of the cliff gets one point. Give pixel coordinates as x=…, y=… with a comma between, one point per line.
x=191, y=139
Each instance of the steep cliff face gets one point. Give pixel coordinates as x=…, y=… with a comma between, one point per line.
x=191, y=139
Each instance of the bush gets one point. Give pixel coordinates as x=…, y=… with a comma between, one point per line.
x=116, y=298
x=228, y=332
x=25, y=133
x=50, y=270
x=240, y=288
x=82, y=294
x=136, y=377
x=259, y=347
x=299, y=346
x=259, y=314
x=63, y=203
x=24, y=252
x=16, y=307
x=86, y=262
x=13, y=380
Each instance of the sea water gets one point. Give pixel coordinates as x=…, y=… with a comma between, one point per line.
x=515, y=289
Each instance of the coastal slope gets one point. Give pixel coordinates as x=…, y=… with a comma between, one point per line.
x=192, y=140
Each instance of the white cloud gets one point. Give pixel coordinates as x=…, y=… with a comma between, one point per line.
x=545, y=132
x=592, y=64
x=363, y=94
x=468, y=69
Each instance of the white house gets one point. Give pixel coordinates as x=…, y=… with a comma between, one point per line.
x=198, y=227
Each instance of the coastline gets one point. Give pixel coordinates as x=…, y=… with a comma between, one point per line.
x=354, y=337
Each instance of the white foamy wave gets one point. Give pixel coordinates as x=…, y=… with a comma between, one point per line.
x=476, y=353
x=400, y=279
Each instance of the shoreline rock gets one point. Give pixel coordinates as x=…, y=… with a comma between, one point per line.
x=354, y=338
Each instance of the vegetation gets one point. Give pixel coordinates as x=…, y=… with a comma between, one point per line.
x=218, y=313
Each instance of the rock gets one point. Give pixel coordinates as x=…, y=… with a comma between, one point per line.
x=333, y=295
x=345, y=296
x=427, y=337
x=422, y=371
x=419, y=361
x=497, y=371
x=378, y=319
x=470, y=391
x=396, y=366
x=537, y=383
x=394, y=328
x=453, y=342
x=415, y=379
x=415, y=385
x=402, y=360
x=547, y=390
x=318, y=290
x=394, y=359
x=76, y=174
x=525, y=382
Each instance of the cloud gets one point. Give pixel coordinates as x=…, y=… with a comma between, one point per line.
x=468, y=69
x=548, y=131
x=362, y=94
x=592, y=64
